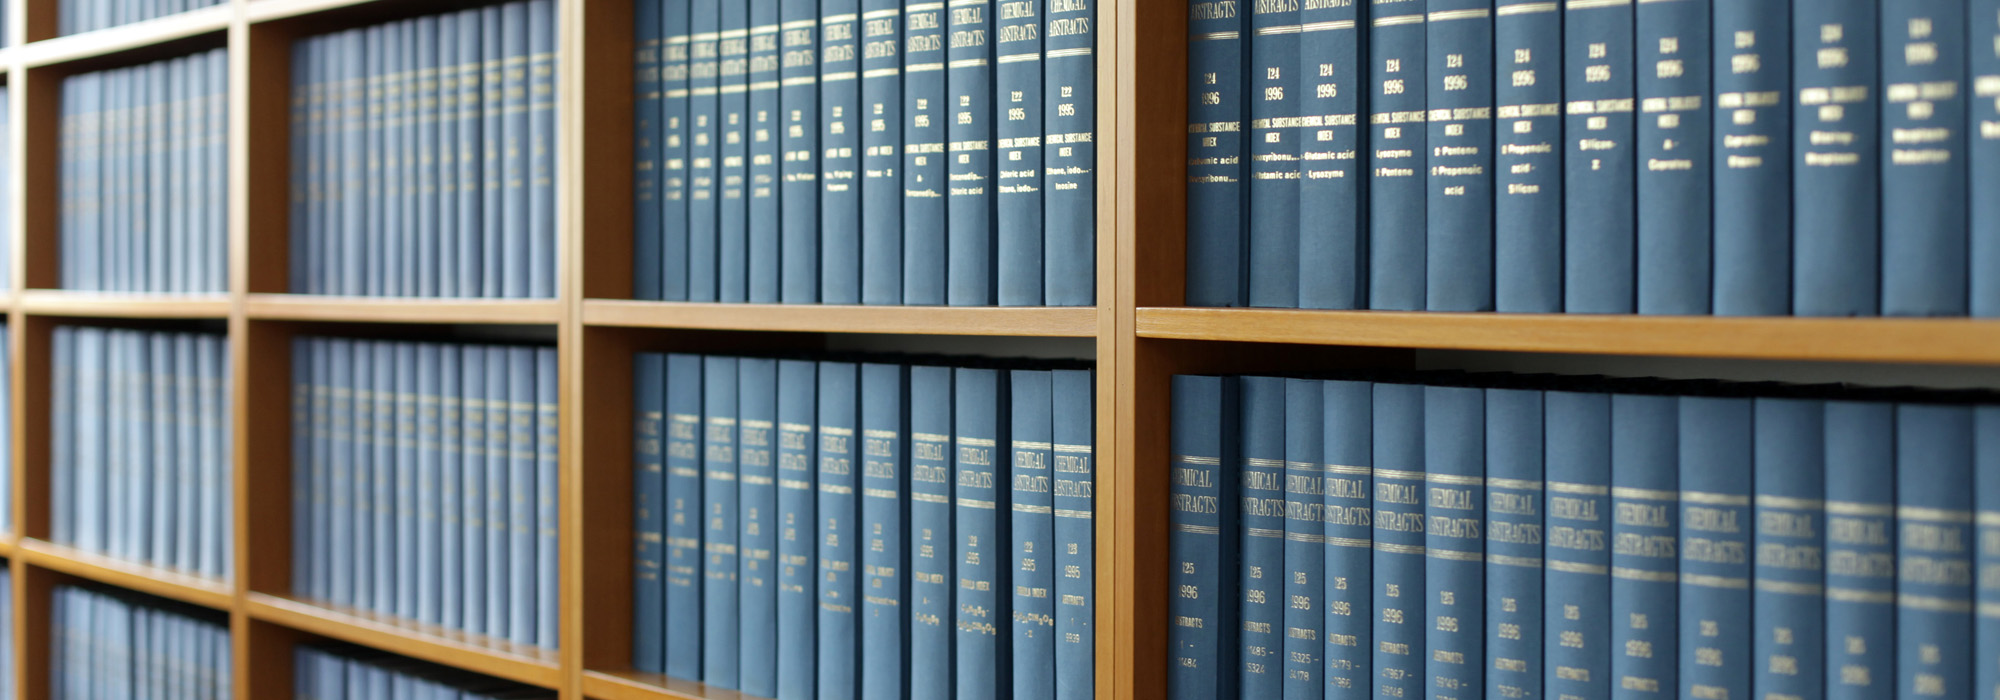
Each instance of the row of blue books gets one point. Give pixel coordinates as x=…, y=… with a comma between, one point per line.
x=1462, y=536
x=74, y=16
x=342, y=672
x=1691, y=157
x=140, y=455
x=145, y=177
x=848, y=529
x=865, y=152
x=424, y=156
x=424, y=481
x=108, y=643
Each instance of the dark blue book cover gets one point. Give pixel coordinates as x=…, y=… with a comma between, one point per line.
x=1018, y=79
x=1458, y=197
x=470, y=145
x=393, y=236
x=1069, y=155
x=1717, y=463
x=1983, y=132
x=1861, y=563
x=1576, y=612
x=733, y=154
x=1397, y=106
x=1752, y=157
x=881, y=134
x=840, y=123
x=1600, y=213
x=932, y=577
x=1333, y=256
x=1836, y=160
x=1924, y=187
x=521, y=496
x=798, y=594
x=1676, y=248
x=757, y=525
x=798, y=100
x=1276, y=98
x=339, y=584
x=1644, y=538
x=443, y=155
x=353, y=147
x=500, y=572
x=1347, y=438
x=361, y=475
x=420, y=158
x=980, y=427
x=1788, y=591
x=676, y=64
x=971, y=262
x=1454, y=543
x=1986, y=469
x=1398, y=588
x=542, y=143
x=1075, y=502
x=704, y=156
x=764, y=132
x=1934, y=542
x=493, y=168
x=718, y=513
x=452, y=571
x=885, y=648
x=924, y=156
x=407, y=513
x=1261, y=541
x=839, y=651
x=1305, y=540
x=649, y=492
x=685, y=522
x=1218, y=236
x=1514, y=500
x=1032, y=520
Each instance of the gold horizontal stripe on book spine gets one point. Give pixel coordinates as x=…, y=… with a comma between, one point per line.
x=1030, y=445
x=1351, y=542
x=1192, y=459
x=1454, y=555
x=1072, y=449
x=976, y=442
x=930, y=437
x=880, y=72
x=1070, y=53
x=1448, y=15
x=1933, y=603
x=1710, y=581
x=1349, y=469
x=1398, y=474
x=924, y=7
x=764, y=29
x=1526, y=8
x=1513, y=484
x=1020, y=57
x=1987, y=518
x=1396, y=20
x=1850, y=508
x=1644, y=494
x=1197, y=529
x=1631, y=574
x=931, y=498
x=879, y=433
x=1715, y=499
x=1310, y=27
x=837, y=19
x=1394, y=548
x=1305, y=537
x=922, y=67
x=1279, y=30
x=1855, y=595
x=1936, y=515
x=1265, y=532
x=838, y=75
x=1262, y=462
x=833, y=430
x=1596, y=4
x=879, y=493
x=1033, y=509
x=1523, y=562
x=1454, y=479
x=967, y=63
x=1073, y=513
x=1572, y=567
x=1579, y=489
x=1215, y=36
x=1789, y=503
x=879, y=14
x=1790, y=587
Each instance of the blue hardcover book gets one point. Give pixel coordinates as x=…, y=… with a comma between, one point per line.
x=1454, y=546
x=493, y=163
x=472, y=488
x=766, y=122
x=1032, y=423
x=500, y=574
x=361, y=474
x=1069, y=156
x=970, y=240
x=451, y=480
x=648, y=23
x=1600, y=211
x=924, y=157
x=1986, y=468
x=1398, y=590
x=932, y=576
x=304, y=530
x=514, y=152
x=1934, y=533
x=1576, y=609
x=1018, y=114
x=1861, y=583
x=1076, y=541
x=338, y=586
x=1333, y=256
x=1644, y=531
x=673, y=134
x=1514, y=509
x=387, y=237
x=1836, y=160
x=1305, y=540
x=1202, y=583
x=980, y=426
x=548, y=509
x=370, y=241
x=1675, y=250
x=1751, y=157
x=1218, y=236
x=1397, y=107
x=685, y=524
x=542, y=146
x=424, y=164
x=405, y=482
x=839, y=655
x=885, y=591
x=1347, y=441
x=464, y=142
x=881, y=183
x=382, y=478
x=1983, y=132
x=798, y=101
x=733, y=154
x=704, y=152
x=1788, y=596
x=1458, y=199
x=719, y=636
x=798, y=593
x=840, y=123
x=522, y=529
x=1717, y=463
x=427, y=564
x=649, y=492
x=1261, y=541
x=757, y=523
x=1924, y=186
x=1275, y=131
x=157, y=536
x=214, y=197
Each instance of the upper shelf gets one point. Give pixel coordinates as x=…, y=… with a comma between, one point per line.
x=521, y=664
x=137, y=35
x=166, y=583
x=57, y=302
x=303, y=307
x=1897, y=340
x=634, y=685
x=816, y=318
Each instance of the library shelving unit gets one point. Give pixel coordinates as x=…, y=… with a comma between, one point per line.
x=1139, y=333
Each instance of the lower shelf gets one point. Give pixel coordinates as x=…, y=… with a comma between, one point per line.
x=165, y=583
x=635, y=685
x=498, y=658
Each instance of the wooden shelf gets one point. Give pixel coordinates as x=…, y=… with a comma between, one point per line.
x=137, y=35
x=56, y=302
x=1899, y=340
x=303, y=307
x=1078, y=322
x=522, y=664
x=633, y=685
x=165, y=583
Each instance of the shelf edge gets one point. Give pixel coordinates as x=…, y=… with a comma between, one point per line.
x=1053, y=322
x=152, y=580
x=542, y=671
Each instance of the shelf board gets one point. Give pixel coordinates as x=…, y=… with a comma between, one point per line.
x=498, y=658
x=165, y=583
x=817, y=318
x=307, y=307
x=269, y=10
x=635, y=685
x=125, y=37
x=56, y=302
x=1899, y=340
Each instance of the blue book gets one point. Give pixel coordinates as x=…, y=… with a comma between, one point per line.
x=451, y=480
x=980, y=425
x=1675, y=249
x=472, y=488
x=1934, y=536
x=548, y=509
x=361, y=476
x=522, y=503
x=932, y=578
x=493, y=166
x=733, y=154
x=685, y=522
x=382, y=478
x=1069, y=143
x=1600, y=210
x=1076, y=542
x=1836, y=160
x=719, y=537
x=1202, y=544
x=1514, y=510
x=1924, y=186
x=840, y=123
x=1644, y=537
x=1398, y=586
x=1032, y=521
x=1788, y=598
x=1983, y=161
x=542, y=146
x=798, y=101
x=1458, y=198
x=704, y=152
x=1276, y=97
x=388, y=235
x=798, y=593
x=1986, y=468
x=881, y=123
x=1576, y=612
x=1305, y=540
x=1752, y=158
x=213, y=198
x=1018, y=115
x=757, y=525
x=839, y=652
x=1218, y=236
x=1396, y=160
x=970, y=240
x=304, y=531
x=1861, y=562
x=369, y=243
x=673, y=134
x=498, y=497
x=407, y=492
x=422, y=159
x=338, y=587
x=1717, y=462
x=157, y=537
x=1454, y=433
x=1347, y=441
x=467, y=144
x=924, y=157
x=1261, y=541
x=514, y=152
x=765, y=130
x=885, y=591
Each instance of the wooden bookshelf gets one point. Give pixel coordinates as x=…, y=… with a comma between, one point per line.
x=165, y=583
x=1050, y=322
x=54, y=302
x=302, y=307
x=497, y=658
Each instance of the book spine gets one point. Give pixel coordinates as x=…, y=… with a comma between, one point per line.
x=885, y=557
x=303, y=531
x=542, y=147
x=685, y=520
x=648, y=502
x=1069, y=142
x=1458, y=194
x=932, y=578
x=1934, y=532
x=1717, y=463
x=452, y=231
x=300, y=225
x=451, y=457
x=1347, y=439
x=389, y=237
x=1203, y=541
x=467, y=144
x=798, y=98
x=1332, y=252
x=1218, y=222
x=382, y=477
x=704, y=148
x=371, y=239
x=924, y=158
x=1924, y=187
x=1018, y=114
x=1576, y=610
x=406, y=481
x=1305, y=540
x=1032, y=521
x=980, y=422
x=522, y=501
x=1644, y=535
x=1983, y=163
x=970, y=237
x=1986, y=469
x=838, y=653
x=493, y=130
x=1397, y=110
x=472, y=488
x=1261, y=542
x=1836, y=160
x=719, y=637
x=548, y=509
x=1454, y=545
x=515, y=153
x=1788, y=599
x=1751, y=157
x=1675, y=247
x=361, y=475
x=840, y=121
x=423, y=157
x=766, y=121
x=673, y=134
x=1599, y=209
x=1275, y=130
x=1075, y=534
x=339, y=588
x=757, y=523
x=1398, y=470
x=1860, y=552
x=1514, y=538
x=798, y=594
x=881, y=274
x=733, y=220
